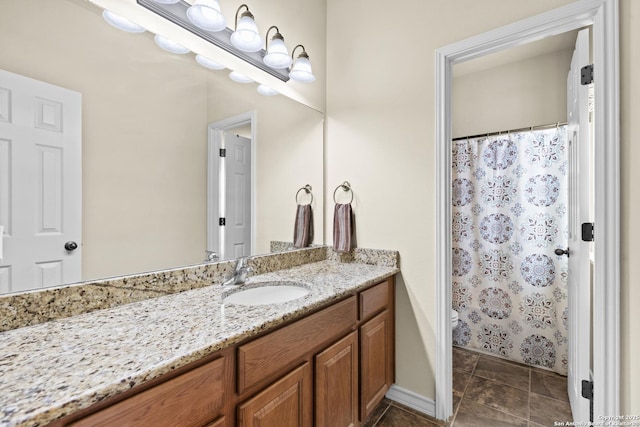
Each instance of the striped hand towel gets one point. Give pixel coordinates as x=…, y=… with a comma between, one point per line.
x=342, y=227
x=303, y=231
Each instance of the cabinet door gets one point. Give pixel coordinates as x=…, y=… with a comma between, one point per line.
x=336, y=385
x=376, y=361
x=286, y=403
x=190, y=399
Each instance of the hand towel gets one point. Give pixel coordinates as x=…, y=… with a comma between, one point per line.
x=303, y=230
x=342, y=227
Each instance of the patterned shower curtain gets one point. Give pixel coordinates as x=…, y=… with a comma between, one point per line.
x=509, y=215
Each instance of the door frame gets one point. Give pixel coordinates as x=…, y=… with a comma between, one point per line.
x=214, y=141
x=602, y=16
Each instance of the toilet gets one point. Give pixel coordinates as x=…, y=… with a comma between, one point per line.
x=454, y=319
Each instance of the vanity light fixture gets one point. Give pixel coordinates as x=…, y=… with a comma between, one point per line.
x=244, y=42
x=277, y=54
x=301, y=68
x=206, y=14
x=121, y=23
x=245, y=35
x=240, y=78
x=209, y=63
x=170, y=45
x=266, y=90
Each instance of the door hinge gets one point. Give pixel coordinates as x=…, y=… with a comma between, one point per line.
x=222, y=221
x=223, y=152
x=586, y=74
x=587, y=393
x=587, y=389
x=587, y=232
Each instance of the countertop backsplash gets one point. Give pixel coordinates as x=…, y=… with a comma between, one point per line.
x=30, y=308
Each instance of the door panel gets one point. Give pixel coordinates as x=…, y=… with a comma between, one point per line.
x=40, y=183
x=237, y=231
x=286, y=403
x=337, y=384
x=376, y=362
x=579, y=281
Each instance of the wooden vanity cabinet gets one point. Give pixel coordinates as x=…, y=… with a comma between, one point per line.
x=328, y=369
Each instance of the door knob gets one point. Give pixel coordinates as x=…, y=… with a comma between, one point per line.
x=71, y=246
x=561, y=252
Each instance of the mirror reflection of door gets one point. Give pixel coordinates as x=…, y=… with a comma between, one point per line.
x=236, y=193
x=40, y=184
x=231, y=187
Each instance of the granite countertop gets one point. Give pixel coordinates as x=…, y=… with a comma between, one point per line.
x=52, y=369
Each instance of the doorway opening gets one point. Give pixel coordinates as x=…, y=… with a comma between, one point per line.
x=602, y=16
x=516, y=295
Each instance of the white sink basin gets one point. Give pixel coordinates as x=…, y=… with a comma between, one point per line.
x=267, y=293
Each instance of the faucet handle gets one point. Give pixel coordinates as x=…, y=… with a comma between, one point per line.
x=212, y=256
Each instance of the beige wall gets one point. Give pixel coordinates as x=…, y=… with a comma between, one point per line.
x=524, y=93
x=380, y=136
x=145, y=116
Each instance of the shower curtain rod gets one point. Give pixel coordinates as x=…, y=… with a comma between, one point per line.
x=541, y=127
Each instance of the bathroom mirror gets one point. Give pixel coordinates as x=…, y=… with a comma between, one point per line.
x=145, y=117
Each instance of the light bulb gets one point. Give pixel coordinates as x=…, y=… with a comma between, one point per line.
x=246, y=36
x=206, y=14
x=301, y=70
x=240, y=78
x=170, y=45
x=277, y=54
x=121, y=23
x=209, y=63
x=266, y=90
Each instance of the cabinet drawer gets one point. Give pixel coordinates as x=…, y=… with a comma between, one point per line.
x=191, y=399
x=374, y=299
x=265, y=356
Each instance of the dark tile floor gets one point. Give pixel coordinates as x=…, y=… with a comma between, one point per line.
x=488, y=391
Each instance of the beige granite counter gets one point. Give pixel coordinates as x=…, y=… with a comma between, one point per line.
x=52, y=369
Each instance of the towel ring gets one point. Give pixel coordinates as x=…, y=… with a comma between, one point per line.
x=307, y=189
x=346, y=187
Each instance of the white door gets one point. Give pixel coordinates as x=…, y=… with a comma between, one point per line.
x=40, y=183
x=579, y=281
x=237, y=228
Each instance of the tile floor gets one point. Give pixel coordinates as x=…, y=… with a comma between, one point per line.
x=488, y=391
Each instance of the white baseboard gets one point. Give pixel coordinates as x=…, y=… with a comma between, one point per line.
x=412, y=400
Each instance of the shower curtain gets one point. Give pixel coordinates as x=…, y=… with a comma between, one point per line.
x=509, y=215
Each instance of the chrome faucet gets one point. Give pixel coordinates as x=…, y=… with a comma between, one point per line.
x=240, y=273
